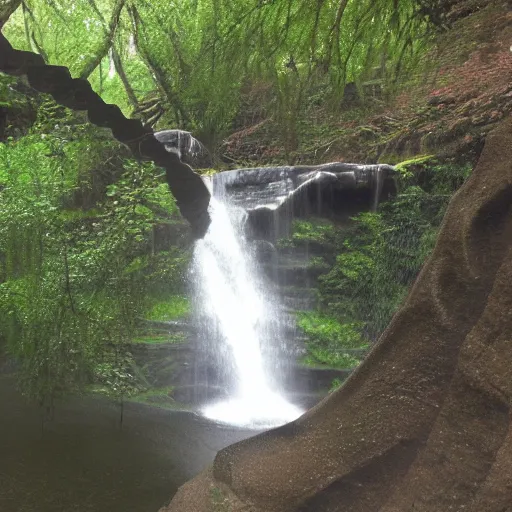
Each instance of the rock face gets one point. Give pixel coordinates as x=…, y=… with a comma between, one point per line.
x=186, y=146
x=274, y=195
x=424, y=424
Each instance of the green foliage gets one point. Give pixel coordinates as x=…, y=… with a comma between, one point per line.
x=324, y=330
x=313, y=231
x=116, y=377
x=160, y=339
x=376, y=259
x=382, y=253
x=9, y=97
x=335, y=384
x=318, y=263
x=74, y=282
x=328, y=357
x=329, y=340
x=309, y=231
x=406, y=168
x=218, y=500
x=172, y=308
x=188, y=63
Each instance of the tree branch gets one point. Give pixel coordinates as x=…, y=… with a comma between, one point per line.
x=334, y=33
x=107, y=41
x=132, y=98
x=157, y=72
x=118, y=64
x=173, y=38
x=192, y=196
x=30, y=35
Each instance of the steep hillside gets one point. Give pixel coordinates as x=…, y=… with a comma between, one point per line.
x=459, y=91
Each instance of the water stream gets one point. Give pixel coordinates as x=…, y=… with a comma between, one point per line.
x=240, y=323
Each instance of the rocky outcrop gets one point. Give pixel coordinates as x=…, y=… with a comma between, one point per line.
x=186, y=146
x=273, y=195
x=424, y=424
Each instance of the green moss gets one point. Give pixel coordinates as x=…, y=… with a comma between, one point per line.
x=319, y=231
x=173, y=308
x=335, y=384
x=326, y=357
x=161, y=339
x=323, y=330
x=219, y=501
x=316, y=230
x=407, y=167
x=207, y=172
x=330, y=340
x=367, y=132
x=318, y=263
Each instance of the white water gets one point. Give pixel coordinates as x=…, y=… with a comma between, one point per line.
x=377, y=187
x=237, y=309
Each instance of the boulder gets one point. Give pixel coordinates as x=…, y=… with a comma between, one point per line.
x=424, y=423
x=186, y=146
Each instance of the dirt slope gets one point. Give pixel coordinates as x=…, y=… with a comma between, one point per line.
x=461, y=90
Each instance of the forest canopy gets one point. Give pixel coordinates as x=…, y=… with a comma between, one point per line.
x=185, y=63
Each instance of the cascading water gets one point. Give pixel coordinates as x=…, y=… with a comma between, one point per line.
x=249, y=343
x=237, y=314
x=378, y=180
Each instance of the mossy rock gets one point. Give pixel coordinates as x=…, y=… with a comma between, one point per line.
x=408, y=168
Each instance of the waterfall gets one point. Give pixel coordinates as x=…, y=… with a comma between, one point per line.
x=378, y=182
x=239, y=321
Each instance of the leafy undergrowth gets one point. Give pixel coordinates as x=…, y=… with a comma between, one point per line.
x=370, y=263
x=330, y=342
x=462, y=89
x=169, y=309
x=465, y=94
x=324, y=357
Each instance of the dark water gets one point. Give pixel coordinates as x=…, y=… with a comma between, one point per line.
x=82, y=462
